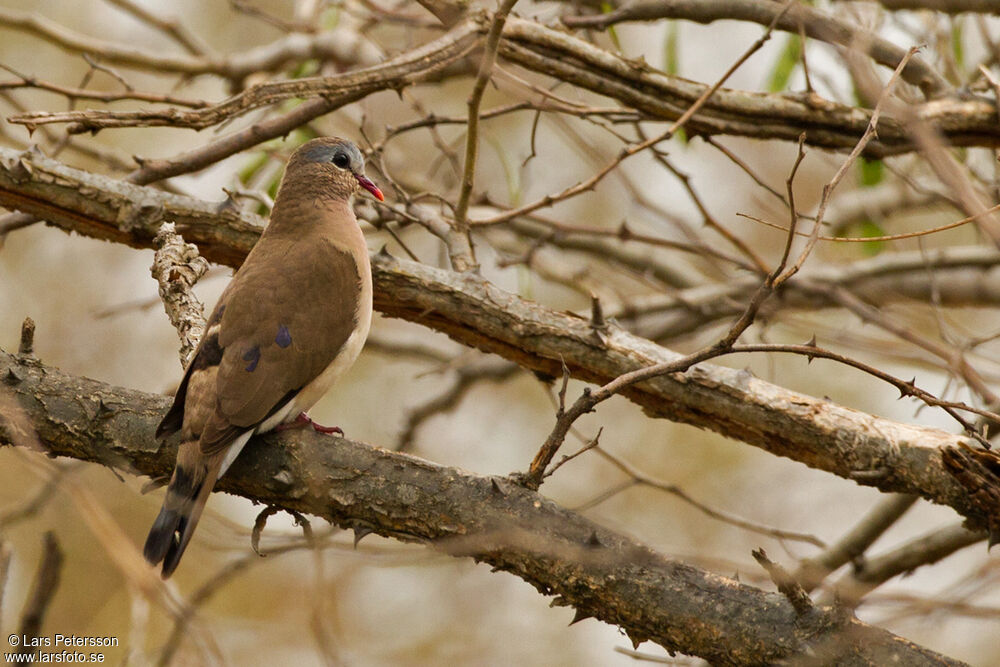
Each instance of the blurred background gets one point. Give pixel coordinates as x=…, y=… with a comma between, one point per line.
x=98, y=315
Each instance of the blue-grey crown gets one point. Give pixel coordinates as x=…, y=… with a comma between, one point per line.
x=330, y=152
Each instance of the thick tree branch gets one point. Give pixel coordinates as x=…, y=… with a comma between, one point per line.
x=827, y=124
x=394, y=74
x=870, y=450
x=946, y=6
x=799, y=17
x=597, y=571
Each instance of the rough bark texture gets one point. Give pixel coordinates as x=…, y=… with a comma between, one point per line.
x=597, y=571
x=827, y=124
x=870, y=450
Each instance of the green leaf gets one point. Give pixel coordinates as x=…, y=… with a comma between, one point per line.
x=607, y=8
x=330, y=18
x=868, y=228
x=785, y=66
x=870, y=172
x=957, y=49
x=671, y=56
x=306, y=68
x=252, y=166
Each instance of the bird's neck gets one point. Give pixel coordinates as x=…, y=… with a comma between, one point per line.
x=298, y=217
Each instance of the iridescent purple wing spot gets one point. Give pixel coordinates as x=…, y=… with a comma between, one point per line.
x=253, y=356
x=284, y=337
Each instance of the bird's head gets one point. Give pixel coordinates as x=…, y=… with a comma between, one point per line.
x=337, y=162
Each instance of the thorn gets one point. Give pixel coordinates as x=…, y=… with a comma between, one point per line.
x=141, y=161
x=624, y=233
x=908, y=388
x=11, y=377
x=20, y=171
x=598, y=324
x=102, y=409
x=496, y=486
x=811, y=343
x=580, y=615
x=227, y=204
x=634, y=638
x=384, y=251
x=360, y=533
x=31, y=151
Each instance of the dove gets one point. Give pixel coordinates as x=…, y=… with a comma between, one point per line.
x=292, y=320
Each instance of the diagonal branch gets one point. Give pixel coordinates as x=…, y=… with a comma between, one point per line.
x=600, y=573
x=394, y=74
x=960, y=121
x=869, y=450
x=816, y=24
x=827, y=124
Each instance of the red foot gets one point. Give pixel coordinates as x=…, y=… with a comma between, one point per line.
x=304, y=420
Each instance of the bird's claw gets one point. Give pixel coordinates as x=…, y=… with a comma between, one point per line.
x=305, y=420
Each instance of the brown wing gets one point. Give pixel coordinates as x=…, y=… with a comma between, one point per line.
x=206, y=357
x=286, y=315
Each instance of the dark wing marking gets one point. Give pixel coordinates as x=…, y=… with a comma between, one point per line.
x=313, y=295
x=208, y=354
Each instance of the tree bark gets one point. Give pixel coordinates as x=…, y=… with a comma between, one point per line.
x=891, y=456
x=599, y=572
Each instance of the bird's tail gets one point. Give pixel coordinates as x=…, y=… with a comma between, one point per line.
x=194, y=477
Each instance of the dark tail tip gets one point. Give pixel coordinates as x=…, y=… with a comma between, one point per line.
x=182, y=506
x=164, y=541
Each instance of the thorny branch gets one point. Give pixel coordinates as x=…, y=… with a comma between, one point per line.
x=475, y=312
x=598, y=572
x=963, y=122
x=627, y=268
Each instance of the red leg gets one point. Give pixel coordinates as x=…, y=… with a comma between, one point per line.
x=304, y=420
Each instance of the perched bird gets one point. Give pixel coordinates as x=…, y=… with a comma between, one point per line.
x=293, y=319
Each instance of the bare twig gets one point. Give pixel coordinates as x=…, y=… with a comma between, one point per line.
x=924, y=550
x=463, y=255
x=43, y=589
x=812, y=571
x=790, y=588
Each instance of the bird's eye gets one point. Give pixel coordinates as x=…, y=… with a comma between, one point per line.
x=341, y=160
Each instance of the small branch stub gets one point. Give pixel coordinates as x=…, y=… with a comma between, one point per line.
x=177, y=266
x=27, y=345
x=786, y=584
